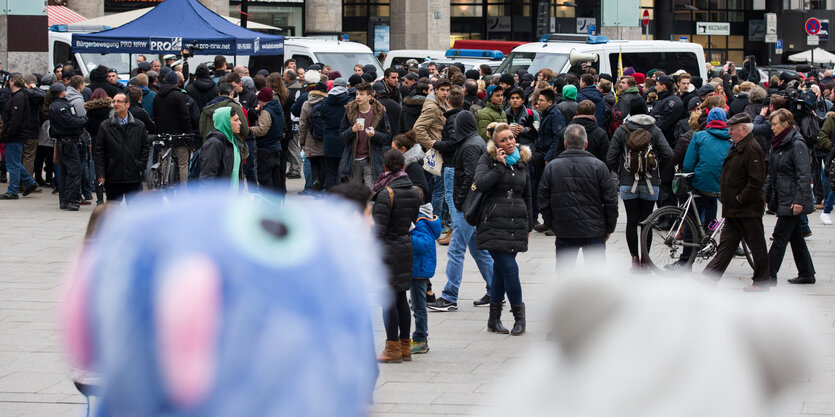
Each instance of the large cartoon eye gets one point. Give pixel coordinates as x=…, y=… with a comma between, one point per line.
x=272, y=232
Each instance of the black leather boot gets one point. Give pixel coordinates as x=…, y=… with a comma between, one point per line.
x=494, y=323
x=519, y=317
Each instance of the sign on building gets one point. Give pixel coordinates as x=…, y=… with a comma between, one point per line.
x=583, y=24
x=713, y=28
x=498, y=24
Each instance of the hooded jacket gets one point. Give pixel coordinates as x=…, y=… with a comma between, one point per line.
x=414, y=169
x=171, y=110
x=525, y=118
x=98, y=111
x=202, y=89
x=469, y=149
x=742, y=180
x=616, y=155
x=549, y=128
x=207, y=123
x=218, y=156
x=666, y=111
x=98, y=79
x=705, y=156
x=592, y=93
x=568, y=105
x=489, y=114
x=333, y=111
x=430, y=124
x=19, y=121
x=409, y=112
x=312, y=147
x=392, y=221
x=448, y=143
x=76, y=100
x=506, y=212
x=148, y=96
x=427, y=230
x=624, y=103
x=577, y=197
x=377, y=144
x=120, y=154
x=598, y=140
x=789, y=175
x=392, y=106
x=139, y=114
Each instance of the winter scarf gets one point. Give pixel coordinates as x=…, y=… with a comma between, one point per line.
x=775, y=141
x=513, y=158
x=385, y=179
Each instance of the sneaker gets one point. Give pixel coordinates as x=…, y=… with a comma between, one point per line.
x=419, y=347
x=442, y=305
x=430, y=297
x=9, y=196
x=483, y=301
x=30, y=189
x=70, y=207
x=802, y=280
x=677, y=266
x=826, y=218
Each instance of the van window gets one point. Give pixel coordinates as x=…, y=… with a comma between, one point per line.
x=61, y=54
x=303, y=61
x=344, y=61
x=267, y=62
x=532, y=62
x=670, y=62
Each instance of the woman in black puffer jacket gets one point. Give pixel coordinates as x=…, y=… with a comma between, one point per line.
x=396, y=206
x=788, y=194
x=506, y=220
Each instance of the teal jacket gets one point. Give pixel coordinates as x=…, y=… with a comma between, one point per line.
x=705, y=156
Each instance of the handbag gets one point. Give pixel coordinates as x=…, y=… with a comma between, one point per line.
x=472, y=206
x=433, y=162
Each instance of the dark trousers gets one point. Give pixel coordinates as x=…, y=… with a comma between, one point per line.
x=787, y=231
x=397, y=318
x=505, y=278
x=567, y=248
x=318, y=170
x=115, y=191
x=733, y=231
x=250, y=165
x=666, y=197
x=637, y=210
x=331, y=172
x=70, y=152
x=43, y=164
x=537, y=169
x=270, y=171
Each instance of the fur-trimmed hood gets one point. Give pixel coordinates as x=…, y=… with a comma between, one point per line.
x=414, y=155
x=524, y=151
x=98, y=103
x=352, y=110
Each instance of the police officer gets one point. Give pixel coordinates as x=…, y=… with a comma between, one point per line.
x=667, y=111
x=66, y=127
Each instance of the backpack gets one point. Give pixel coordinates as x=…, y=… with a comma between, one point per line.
x=475, y=108
x=315, y=123
x=639, y=156
x=610, y=124
x=809, y=127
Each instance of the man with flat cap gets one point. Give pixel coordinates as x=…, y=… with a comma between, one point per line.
x=743, y=202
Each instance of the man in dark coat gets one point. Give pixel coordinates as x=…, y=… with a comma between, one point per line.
x=66, y=126
x=98, y=79
x=333, y=111
x=549, y=128
x=577, y=197
x=589, y=91
x=597, y=139
x=382, y=94
x=19, y=126
x=743, y=199
x=173, y=117
x=202, y=89
x=121, y=151
x=667, y=111
x=135, y=96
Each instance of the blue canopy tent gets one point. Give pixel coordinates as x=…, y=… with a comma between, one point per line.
x=177, y=24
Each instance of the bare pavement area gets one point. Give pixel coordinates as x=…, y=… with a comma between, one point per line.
x=456, y=377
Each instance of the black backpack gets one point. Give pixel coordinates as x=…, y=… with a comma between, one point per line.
x=316, y=124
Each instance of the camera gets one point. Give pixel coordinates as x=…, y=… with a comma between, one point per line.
x=188, y=52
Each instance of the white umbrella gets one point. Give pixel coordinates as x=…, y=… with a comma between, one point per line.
x=821, y=57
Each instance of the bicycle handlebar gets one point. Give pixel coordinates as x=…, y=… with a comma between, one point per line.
x=167, y=139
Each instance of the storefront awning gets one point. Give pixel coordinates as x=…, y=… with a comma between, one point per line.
x=61, y=15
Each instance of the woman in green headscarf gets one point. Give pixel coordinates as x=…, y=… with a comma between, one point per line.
x=220, y=156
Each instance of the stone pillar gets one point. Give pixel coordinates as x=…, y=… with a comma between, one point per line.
x=87, y=8
x=322, y=17
x=24, y=37
x=420, y=24
x=220, y=7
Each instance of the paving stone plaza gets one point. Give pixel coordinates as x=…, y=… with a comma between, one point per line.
x=457, y=376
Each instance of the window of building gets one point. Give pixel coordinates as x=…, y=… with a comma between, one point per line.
x=466, y=8
x=287, y=18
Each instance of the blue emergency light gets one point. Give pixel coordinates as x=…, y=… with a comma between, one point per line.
x=474, y=53
x=570, y=37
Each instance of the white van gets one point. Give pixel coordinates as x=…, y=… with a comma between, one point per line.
x=341, y=56
x=564, y=54
x=400, y=56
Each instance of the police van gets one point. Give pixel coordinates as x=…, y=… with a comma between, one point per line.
x=564, y=53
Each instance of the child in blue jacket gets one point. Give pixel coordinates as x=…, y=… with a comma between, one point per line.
x=427, y=230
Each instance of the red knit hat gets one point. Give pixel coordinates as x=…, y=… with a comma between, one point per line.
x=266, y=94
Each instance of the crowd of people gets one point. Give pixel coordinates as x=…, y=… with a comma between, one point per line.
x=514, y=148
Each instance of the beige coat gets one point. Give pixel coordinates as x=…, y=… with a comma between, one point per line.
x=312, y=147
x=429, y=125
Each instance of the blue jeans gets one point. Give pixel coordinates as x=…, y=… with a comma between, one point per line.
x=439, y=196
x=307, y=173
x=506, y=278
x=418, y=296
x=89, y=180
x=463, y=236
x=17, y=173
x=641, y=191
x=830, y=201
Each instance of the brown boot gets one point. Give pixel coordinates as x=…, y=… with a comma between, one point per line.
x=391, y=354
x=406, y=349
x=444, y=240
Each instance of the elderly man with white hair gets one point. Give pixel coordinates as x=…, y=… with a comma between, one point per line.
x=743, y=202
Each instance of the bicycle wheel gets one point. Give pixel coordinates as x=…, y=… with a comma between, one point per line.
x=663, y=241
x=747, y=251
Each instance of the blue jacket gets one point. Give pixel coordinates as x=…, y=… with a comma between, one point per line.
x=424, y=234
x=148, y=100
x=333, y=110
x=549, y=128
x=592, y=93
x=705, y=157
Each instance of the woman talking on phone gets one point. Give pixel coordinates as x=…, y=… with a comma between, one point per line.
x=506, y=220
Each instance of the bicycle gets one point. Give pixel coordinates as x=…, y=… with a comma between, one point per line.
x=668, y=233
x=163, y=172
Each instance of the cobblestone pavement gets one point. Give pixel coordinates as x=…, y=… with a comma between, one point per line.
x=455, y=378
